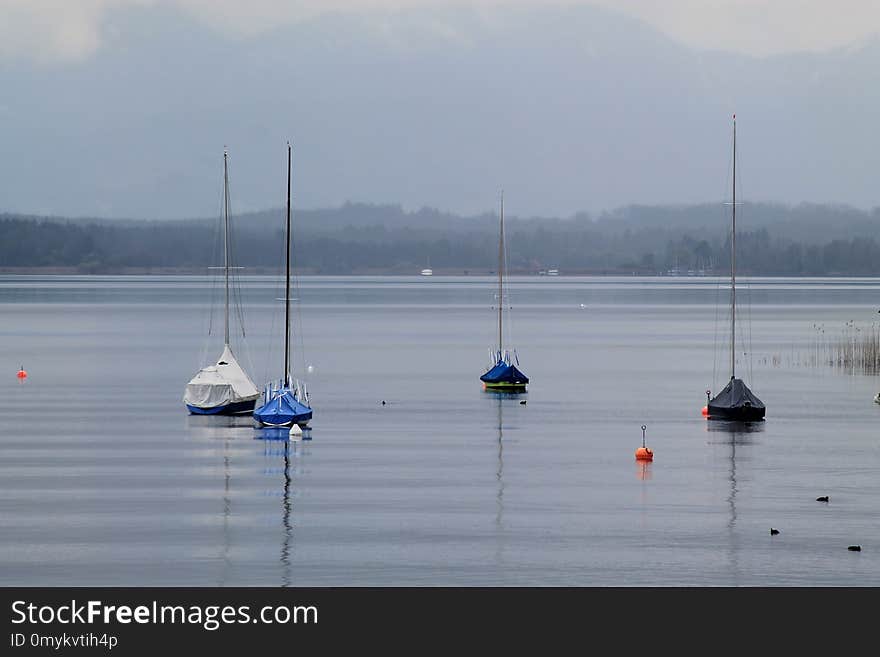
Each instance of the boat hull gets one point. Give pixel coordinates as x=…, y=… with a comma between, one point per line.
x=283, y=420
x=736, y=402
x=504, y=376
x=235, y=408
x=740, y=413
x=502, y=386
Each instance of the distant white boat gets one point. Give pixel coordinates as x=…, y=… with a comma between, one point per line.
x=553, y=272
x=427, y=272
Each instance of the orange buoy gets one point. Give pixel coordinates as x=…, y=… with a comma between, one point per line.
x=705, y=411
x=22, y=375
x=643, y=453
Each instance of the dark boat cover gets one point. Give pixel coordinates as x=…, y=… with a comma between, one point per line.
x=504, y=372
x=736, y=395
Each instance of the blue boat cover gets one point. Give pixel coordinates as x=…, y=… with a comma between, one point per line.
x=503, y=372
x=283, y=409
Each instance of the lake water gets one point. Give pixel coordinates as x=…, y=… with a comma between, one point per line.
x=105, y=479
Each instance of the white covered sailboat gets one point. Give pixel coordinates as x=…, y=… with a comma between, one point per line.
x=223, y=388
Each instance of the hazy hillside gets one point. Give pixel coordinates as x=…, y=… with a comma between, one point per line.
x=359, y=238
x=568, y=110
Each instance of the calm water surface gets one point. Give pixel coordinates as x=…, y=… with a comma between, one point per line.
x=105, y=480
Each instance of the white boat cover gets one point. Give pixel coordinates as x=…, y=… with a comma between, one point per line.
x=220, y=384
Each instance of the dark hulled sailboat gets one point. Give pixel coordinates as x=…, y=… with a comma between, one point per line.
x=503, y=374
x=735, y=401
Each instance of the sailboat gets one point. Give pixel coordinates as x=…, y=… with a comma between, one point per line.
x=427, y=271
x=503, y=375
x=222, y=388
x=285, y=402
x=736, y=401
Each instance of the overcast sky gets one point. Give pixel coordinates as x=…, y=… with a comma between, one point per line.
x=122, y=108
x=59, y=30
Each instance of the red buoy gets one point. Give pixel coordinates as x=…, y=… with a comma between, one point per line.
x=705, y=411
x=643, y=453
x=22, y=375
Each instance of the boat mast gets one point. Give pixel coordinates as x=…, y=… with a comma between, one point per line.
x=287, y=288
x=733, y=267
x=226, y=241
x=501, y=279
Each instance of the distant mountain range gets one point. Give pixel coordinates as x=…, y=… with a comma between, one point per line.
x=568, y=109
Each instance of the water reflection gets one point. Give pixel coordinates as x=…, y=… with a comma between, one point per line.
x=501, y=398
x=280, y=433
x=220, y=428
x=214, y=425
x=499, y=472
x=287, y=451
x=734, y=430
x=285, y=519
x=279, y=453
x=733, y=433
x=227, y=510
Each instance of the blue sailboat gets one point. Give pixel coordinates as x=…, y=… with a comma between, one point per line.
x=285, y=402
x=223, y=388
x=504, y=374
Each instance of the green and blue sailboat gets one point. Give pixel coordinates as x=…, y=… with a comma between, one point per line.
x=503, y=374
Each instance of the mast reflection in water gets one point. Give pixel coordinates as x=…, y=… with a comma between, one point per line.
x=283, y=452
x=733, y=433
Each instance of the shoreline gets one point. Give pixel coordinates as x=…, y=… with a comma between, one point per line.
x=261, y=271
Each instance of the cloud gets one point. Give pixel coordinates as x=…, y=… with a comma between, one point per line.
x=759, y=27
x=63, y=30
x=52, y=30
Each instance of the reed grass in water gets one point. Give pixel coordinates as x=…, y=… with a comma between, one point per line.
x=855, y=348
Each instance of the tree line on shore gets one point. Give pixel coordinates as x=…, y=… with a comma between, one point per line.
x=386, y=240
